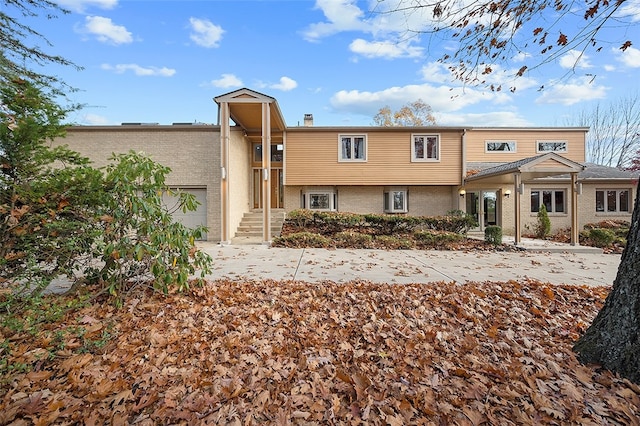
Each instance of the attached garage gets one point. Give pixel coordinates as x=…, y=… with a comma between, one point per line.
x=189, y=219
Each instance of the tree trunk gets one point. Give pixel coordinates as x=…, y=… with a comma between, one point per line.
x=613, y=339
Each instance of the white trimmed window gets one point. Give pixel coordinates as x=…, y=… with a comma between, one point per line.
x=396, y=201
x=500, y=146
x=553, y=200
x=352, y=148
x=425, y=148
x=613, y=201
x=551, y=146
x=319, y=200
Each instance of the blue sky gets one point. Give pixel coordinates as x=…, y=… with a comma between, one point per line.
x=164, y=62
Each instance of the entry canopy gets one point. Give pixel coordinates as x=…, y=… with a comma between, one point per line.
x=541, y=166
x=245, y=109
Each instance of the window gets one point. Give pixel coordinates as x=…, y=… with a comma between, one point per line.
x=500, y=146
x=353, y=148
x=553, y=200
x=551, y=146
x=425, y=148
x=395, y=201
x=318, y=200
x=277, y=153
x=612, y=200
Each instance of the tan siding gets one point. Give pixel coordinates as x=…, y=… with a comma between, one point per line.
x=526, y=143
x=312, y=159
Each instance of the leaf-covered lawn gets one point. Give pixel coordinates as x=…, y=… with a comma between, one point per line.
x=302, y=353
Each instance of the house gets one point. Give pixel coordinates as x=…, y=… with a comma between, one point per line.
x=251, y=161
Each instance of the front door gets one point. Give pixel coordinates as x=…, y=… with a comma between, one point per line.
x=484, y=207
x=277, y=188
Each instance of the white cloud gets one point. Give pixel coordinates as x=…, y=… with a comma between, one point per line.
x=342, y=15
x=578, y=90
x=575, y=59
x=80, y=6
x=138, y=70
x=286, y=84
x=488, y=119
x=205, y=33
x=384, y=49
x=629, y=58
x=441, y=99
x=437, y=72
x=106, y=31
x=631, y=10
x=227, y=80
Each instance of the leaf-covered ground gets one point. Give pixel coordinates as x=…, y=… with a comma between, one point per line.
x=301, y=353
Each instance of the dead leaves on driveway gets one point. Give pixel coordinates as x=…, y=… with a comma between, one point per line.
x=300, y=353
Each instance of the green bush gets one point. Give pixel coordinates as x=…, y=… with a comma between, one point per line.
x=543, y=225
x=351, y=239
x=394, y=243
x=493, y=235
x=429, y=238
x=601, y=237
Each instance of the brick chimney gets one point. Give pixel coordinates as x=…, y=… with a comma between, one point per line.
x=308, y=120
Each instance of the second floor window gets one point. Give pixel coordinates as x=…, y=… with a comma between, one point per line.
x=500, y=146
x=425, y=148
x=551, y=146
x=353, y=148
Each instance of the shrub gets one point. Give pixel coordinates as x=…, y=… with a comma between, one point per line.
x=493, y=235
x=543, y=225
x=437, y=239
x=601, y=237
x=351, y=239
x=302, y=239
x=391, y=242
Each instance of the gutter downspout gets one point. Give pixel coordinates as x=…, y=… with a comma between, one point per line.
x=463, y=168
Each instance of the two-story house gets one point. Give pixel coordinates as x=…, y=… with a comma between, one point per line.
x=252, y=161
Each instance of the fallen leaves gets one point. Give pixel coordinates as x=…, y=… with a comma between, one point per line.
x=302, y=353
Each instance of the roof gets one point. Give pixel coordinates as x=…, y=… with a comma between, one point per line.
x=540, y=166
x=591, y=171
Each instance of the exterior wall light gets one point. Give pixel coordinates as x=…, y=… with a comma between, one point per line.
x=462, y=192
x=507, y=193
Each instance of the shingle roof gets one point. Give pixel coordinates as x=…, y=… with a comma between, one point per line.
x=592, y=171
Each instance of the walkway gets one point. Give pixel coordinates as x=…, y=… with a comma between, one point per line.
x=556, y=266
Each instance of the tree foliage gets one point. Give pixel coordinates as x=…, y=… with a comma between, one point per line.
x=59, y=216
x=614, y=131
x=47, y=195
x=140, y=239
x=487, y=33
x=417, y=113
x=21, y=53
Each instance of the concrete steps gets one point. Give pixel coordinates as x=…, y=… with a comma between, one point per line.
x=251, y=224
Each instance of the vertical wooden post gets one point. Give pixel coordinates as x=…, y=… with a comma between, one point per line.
x=517, y=186
x=224, y=174
x=266, y=173
x=575, y=237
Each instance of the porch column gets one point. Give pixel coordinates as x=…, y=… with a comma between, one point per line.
x=224, y=174
x=575, y=237
x=266, y=173
x=517, y=186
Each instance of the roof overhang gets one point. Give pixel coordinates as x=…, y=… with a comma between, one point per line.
x=541, y=166
x=245, y=109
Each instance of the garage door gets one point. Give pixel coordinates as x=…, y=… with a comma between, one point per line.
x=189, y=219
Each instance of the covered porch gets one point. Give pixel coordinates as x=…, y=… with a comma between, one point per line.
x=515, y=175
x=262, y=124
